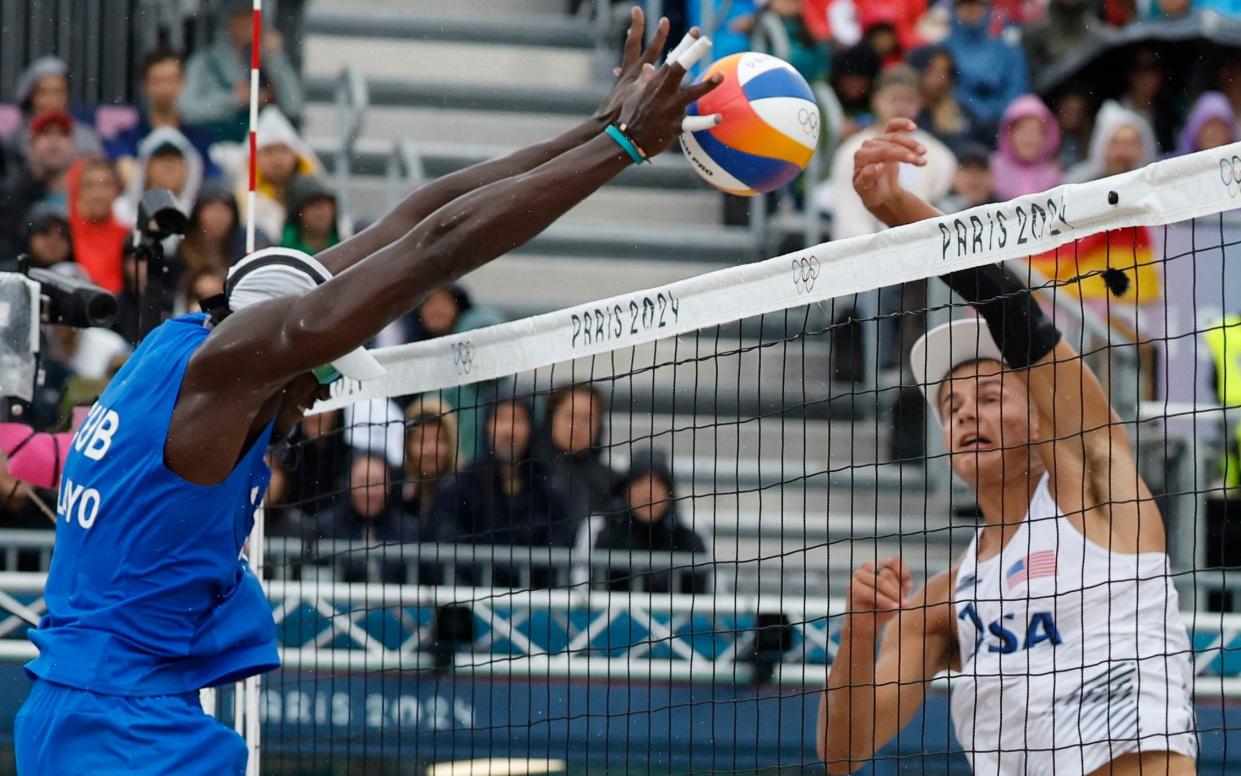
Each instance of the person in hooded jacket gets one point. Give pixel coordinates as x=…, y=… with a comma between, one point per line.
x=312, y=224
x=166, y=160
x=98, y=238
x=43, y=87
x=1025, y=162
x=282, y=156
x=217, y=77
x=1211, y=123
x=48, y=242
x=505, y=497
x=991, y=72
x=1122, y=140
x=649, y=521
x=214, y=238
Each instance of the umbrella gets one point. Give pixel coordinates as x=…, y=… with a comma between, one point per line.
x=1196, y=38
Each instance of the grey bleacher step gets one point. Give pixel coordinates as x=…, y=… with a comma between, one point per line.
x=546, y=283
x=517, y=98
x=445, y=124
x=459, y=8
x=371, y=156
x=724, y=446
x=612, y=205
x=450, y=61
x=804, y=516
x=423, y=21
x=712, y=244
x=705, y=372
x=840, y=530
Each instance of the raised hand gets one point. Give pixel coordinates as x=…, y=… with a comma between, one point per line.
x=653, y=108
x=876, y=165
x=633, y=59
x=877, y=591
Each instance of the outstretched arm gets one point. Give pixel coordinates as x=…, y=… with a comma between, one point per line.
x=261, y=347
x=426, y=200
x=1092, y=462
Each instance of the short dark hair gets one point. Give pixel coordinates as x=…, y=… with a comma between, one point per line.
x=160, y=56
x=971, y=155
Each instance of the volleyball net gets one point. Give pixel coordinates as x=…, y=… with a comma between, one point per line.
x=619, y=537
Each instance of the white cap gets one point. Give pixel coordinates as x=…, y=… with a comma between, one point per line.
x=946, y=347
x=275, y=272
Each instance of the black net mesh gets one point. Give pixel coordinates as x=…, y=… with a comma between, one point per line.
x=640, y=561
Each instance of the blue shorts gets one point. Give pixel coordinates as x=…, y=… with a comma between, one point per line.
x=61, y=729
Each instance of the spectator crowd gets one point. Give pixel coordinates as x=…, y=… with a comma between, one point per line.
x=486, y=466
x=501, y=470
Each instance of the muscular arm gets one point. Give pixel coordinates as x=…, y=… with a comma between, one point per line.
x=870, y=698
x=279, y=339
x=1094, y=471
x=426, y=200
x=243, y=373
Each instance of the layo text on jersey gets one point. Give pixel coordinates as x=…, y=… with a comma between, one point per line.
x=75, y=500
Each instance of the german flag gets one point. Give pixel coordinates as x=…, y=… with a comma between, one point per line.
x=1078, y=267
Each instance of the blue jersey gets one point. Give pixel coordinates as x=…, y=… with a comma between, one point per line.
x=147, y=592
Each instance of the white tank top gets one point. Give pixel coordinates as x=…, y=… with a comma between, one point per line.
x=1054, y=635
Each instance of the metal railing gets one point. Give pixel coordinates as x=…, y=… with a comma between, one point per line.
x=405, y=171
x=545, y=634
x=485, y=565
x=352, y=99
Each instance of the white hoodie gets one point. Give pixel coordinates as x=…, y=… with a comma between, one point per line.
x=126, y=206
x=1110, y=118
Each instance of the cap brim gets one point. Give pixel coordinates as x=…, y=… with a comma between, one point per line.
x=277, y=272
x=944, y=348
x=359, y=365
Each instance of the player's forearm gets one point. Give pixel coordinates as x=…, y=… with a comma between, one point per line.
x=459, y=237
x=432, y=197
x=847, y=712
x=427, y=199
x=904, y=208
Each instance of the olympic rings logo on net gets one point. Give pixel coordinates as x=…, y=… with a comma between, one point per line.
x=805, y=273
x=1230, y=174
x=809, y=120
x=463, y=356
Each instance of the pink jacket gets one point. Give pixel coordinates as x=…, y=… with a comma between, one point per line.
x=1013, y=177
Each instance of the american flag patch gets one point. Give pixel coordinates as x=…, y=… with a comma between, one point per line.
x=1035, y=565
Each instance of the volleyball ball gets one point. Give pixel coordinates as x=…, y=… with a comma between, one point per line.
x=770, y=126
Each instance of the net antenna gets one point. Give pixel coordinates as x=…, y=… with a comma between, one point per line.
x=246, y=693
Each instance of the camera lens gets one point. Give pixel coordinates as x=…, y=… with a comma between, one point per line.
x=101, y=310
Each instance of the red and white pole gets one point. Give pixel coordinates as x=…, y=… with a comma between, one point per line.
x=246, y=694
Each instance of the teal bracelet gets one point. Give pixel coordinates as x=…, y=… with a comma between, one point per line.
x=624, y=142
